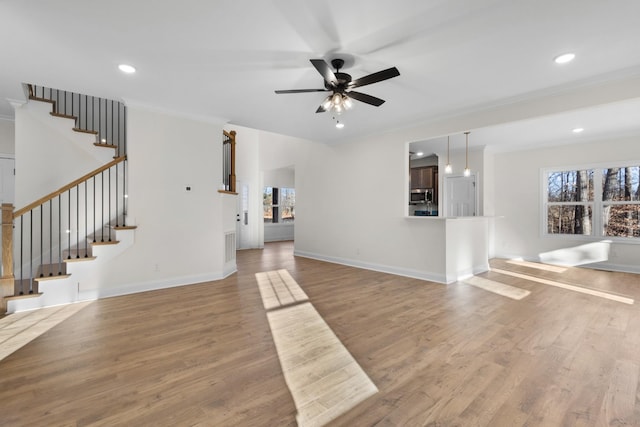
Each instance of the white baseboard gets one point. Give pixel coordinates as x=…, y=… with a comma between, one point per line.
x=93, y=294
x=415, y=274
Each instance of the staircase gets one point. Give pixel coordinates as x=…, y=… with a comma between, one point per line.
x=62, y=240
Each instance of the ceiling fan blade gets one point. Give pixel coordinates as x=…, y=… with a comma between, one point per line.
x=368, y=99
x=320, y=109
x=324, y=70
x=375, y=77
x=301, y=90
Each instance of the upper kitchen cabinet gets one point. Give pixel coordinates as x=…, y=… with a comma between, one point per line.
x=424, y=177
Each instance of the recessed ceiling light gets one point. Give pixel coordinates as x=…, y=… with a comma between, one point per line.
x=564, y=58
x=419, y=154
x=577, y=130
x=129, y=69
x=339, y=125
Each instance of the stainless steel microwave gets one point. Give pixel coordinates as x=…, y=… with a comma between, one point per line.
x=420, y=195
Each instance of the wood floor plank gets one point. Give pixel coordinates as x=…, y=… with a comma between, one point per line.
x=440, y=355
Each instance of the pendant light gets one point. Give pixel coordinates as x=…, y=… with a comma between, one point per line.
x=467, y=171
x=447, y=168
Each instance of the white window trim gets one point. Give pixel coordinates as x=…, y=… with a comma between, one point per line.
x=597, y=202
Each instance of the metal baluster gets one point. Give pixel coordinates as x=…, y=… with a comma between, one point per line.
x=86, y=220
x=112, y=120
x=116, y=197
x=109, y=195
x=100, y=119
x=77, y=221
x=59, y=234
x=21, y=251
x=31, y=252
x=124, y=130
x=102, y=206
x=118, y=149
x=124, y=193
x=41, y=247
x=51, y=237
x=69, y=222
x=94, y=209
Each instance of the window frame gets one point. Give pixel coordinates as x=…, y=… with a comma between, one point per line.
x=597, y=205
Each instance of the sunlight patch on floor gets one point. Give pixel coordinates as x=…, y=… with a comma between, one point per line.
x=324, y=379
x=279, y=289
x=537, y=265
x=584, y=290
x=497, y=287
x=18, y=329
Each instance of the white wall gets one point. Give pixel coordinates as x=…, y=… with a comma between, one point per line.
x=180, y=234
x=283, y=177
x=518, y=198
x=49, y=154
x=7, y=136
x=179, y=239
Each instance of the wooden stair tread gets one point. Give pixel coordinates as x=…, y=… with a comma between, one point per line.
x=64, y=116
x=124, y=227
x=113, y=242
x=81, y=259
x=34, y=295
x=57, y=276
x=99, y=144
x=92, y=132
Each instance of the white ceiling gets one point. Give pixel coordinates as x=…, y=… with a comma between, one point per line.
x=225, y=58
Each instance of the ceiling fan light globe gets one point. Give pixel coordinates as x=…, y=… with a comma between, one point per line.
x=337, y=99
x=347, y=102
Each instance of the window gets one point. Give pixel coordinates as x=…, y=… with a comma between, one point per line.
x=599, y=202
x=278, y=204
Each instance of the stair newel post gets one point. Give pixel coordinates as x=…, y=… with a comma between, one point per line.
x=8, y=280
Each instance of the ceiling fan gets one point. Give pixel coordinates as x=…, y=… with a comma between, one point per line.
x=341, y=85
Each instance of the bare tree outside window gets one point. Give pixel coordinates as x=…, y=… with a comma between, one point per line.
x=573, y=207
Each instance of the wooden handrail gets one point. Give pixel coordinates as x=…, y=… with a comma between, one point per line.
x=67, y=187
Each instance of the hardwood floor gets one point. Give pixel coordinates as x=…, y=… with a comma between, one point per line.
x=454, y=355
